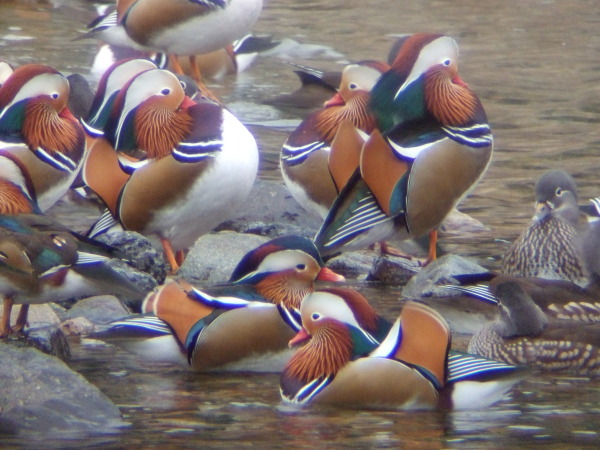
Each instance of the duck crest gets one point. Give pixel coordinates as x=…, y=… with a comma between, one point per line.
x=409, y=53
x=329, y=349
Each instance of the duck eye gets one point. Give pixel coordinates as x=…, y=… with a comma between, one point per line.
x=54, y=95
x=183, y=85
x=353, y=86
x=301, y=266
x=165, y=91
x=559, y=191
x=315, y=316
x=446, y=62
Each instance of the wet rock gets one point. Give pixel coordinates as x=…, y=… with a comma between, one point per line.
x=393, y=269
x=142, y=256
x=354, y=265
x=40, y=396
x=457, y=222
x=101, y=309
x=50, y=340
x=440, y=271
x=214, y=256
x=79, y=326
x=271, y=211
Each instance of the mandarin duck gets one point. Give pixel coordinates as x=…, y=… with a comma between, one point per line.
x=42, y=145
x=345, y=364
x=43, y=261
x=431, y=146
x=550, y=246
x=188, y=28
x=523, y=334
x=592, y=210
x=243, y=325
x=305, y=161
x=181, y=166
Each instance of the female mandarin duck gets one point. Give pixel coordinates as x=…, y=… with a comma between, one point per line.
x=244, y=325
x=524, y=334
x=343, y=363
x=305, y=164
x=189, y=27
x=431, y=146
x=43, y=261
x=550, y=246
x=181, y=167
x=42, y=145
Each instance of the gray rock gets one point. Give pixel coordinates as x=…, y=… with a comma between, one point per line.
x=440, y=271
x=394, y=270
x=143, y=257
x=101, y=309
x=40, y=395
x=356, y=265
x=214, y=256
x=271, y=211
x=48, y=339
x=79, y=326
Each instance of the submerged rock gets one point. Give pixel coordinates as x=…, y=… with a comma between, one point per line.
x=40, y=396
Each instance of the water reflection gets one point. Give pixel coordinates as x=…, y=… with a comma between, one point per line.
x=534, y=65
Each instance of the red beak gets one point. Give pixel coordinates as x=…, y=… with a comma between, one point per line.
x=458, y=80
x=301, y=336
x=187, y=102
x=326, y=274
x=67, y=114
x=336, y=100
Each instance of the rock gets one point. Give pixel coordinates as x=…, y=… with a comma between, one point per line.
x=79, y=326
x=50, y=340
x=355, y=265
x=440, y=271
x=101, y=309
x=41, y=315
x=393, y=270
x=457, y=222
x=271, y=211
x=142, y=255
x=214, y=256
x=40, y=395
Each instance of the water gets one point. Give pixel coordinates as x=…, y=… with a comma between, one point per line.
x=535, y=66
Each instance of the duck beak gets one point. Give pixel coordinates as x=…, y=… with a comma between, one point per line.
x=326, y=274
x=187, y=102
x=301, y=337
x=336, y=100
x=542, y=209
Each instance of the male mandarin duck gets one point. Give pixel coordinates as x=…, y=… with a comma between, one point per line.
x=243, y=325
x=43, y=261
x=524, y=334
x=344, y=364
x=550, y=246
x=305, y=156
x=181, y=167
x=431, y=146
x=189, y=27
x=42, y=145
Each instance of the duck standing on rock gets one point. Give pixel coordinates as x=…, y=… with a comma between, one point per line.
x=182, y=166
x=431, y=146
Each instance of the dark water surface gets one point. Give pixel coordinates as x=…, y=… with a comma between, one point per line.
x=536, y=67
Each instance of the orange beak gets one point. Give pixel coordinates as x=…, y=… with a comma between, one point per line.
x=301, y=337
x=326, y=274
x=336, y=100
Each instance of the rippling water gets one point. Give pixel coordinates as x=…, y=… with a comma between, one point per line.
x=535, y=65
